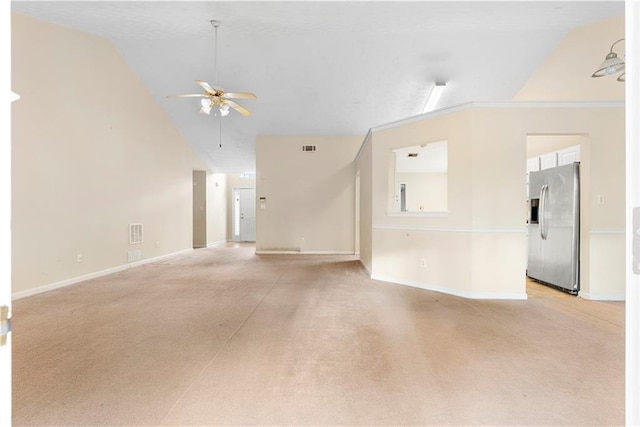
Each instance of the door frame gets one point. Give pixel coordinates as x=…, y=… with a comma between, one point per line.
x=5, y=206
x=632, y=159
x=199, y=234
x=236, y=223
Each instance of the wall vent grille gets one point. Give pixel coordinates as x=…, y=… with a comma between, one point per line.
x=308, y=148
x=135, y=234
x=134, y=256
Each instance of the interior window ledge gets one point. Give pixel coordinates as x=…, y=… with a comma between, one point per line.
x=419, y=214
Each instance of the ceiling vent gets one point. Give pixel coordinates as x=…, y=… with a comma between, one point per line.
x=135, y=234
x=308, y=148
x=412, y=155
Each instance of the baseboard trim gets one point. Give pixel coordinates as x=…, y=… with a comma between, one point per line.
x=89, y=276
x=218, y=243
x=366, y=267
x=304, y=253
x=454, y=292
x=602, y=297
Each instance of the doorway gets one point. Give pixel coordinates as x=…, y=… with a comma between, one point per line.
x=199, y=209
x=244, y=214
x=548, y=156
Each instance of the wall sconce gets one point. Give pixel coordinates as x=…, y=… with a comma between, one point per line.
x=611, y=64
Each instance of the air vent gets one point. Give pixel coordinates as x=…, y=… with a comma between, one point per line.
x=308, y=148
x=412, y=155
x=135, y=234
x=134, y=256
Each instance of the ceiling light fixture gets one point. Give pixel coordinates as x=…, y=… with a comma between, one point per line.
x=434, y=97
x=611, y=64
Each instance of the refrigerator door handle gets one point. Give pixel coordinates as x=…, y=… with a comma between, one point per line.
x=543, y=204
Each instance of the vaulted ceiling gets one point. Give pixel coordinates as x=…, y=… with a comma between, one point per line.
x=322, y=68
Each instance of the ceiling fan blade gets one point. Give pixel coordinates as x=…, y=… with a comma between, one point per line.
x=204, y=85
x=189, y=95
x=240, y=109
x=246, y=95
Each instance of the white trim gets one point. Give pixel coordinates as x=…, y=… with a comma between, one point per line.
x=366, y=267
x=601, y=297
x=85, y=277
x=261, y=252
x=500, y=104
x=423, y=116
x=514, y=230
x=632, y=197
x=607, y=231
x=218, y=243
x=454, y=292
x=364, y=144
x=435, y=214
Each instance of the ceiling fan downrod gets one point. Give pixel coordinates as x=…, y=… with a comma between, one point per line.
x=215, y=25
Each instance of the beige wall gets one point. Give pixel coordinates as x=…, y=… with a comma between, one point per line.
x=217, y=207
x=309, y=195
x=92, y=152
x=364, y=170
x=479, y=248
x=565, y=75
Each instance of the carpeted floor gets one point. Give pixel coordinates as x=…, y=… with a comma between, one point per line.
x=223, y=336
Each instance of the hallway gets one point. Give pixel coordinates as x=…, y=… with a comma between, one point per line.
x=223, y=336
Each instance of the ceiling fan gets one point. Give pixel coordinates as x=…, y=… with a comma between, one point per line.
x=215, y=96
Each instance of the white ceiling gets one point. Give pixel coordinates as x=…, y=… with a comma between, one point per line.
x=323, y=68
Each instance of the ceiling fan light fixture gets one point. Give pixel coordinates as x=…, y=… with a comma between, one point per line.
x=611, y=65
x=621, y=78
x=215, y=96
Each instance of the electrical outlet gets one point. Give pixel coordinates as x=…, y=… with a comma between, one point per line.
x=156, y=244
x=423, y=263
x=600, y=199
x=79, y=258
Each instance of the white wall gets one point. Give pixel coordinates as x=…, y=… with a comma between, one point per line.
x=425, y=192
x=92, y=152
x=309, y=195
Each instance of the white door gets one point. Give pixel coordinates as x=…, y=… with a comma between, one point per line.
x=5, y=208
x=248, y=214
x=632, y=99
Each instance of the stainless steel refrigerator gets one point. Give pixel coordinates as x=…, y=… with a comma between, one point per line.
x=554, y=227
